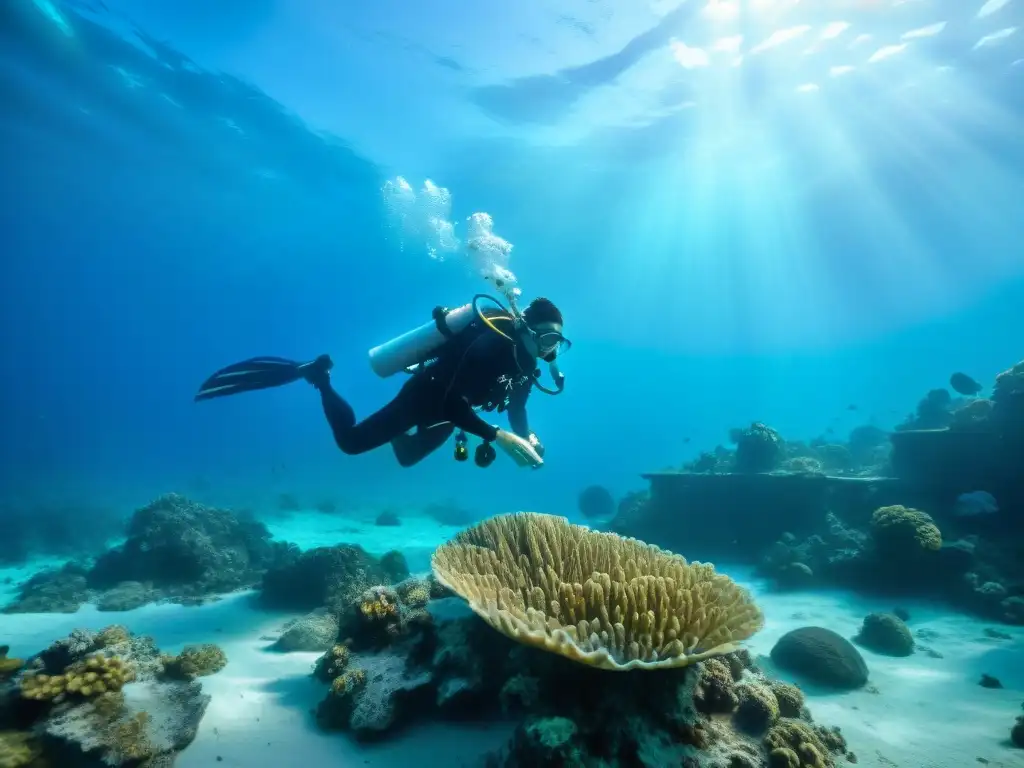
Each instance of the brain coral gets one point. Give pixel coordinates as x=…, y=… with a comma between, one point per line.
x=898, y=527
x=594, y=597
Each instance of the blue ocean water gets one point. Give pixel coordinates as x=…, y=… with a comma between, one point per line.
x=807, y=215
x=186, y=186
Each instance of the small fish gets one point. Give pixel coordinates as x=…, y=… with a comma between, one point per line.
x=964, y=384
x=975, y=504
x=686, y=439
x=851, y=407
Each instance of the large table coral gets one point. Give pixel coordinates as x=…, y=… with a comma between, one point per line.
x=597, y=598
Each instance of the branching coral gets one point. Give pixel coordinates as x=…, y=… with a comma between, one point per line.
x=195, y=661
x=903, y=529
x=93, y=676
x=594, y=597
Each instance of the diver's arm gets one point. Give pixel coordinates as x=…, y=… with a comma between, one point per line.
x=517, y=410
x=462, y=415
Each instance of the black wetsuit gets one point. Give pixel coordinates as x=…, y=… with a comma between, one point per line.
x=476, y=368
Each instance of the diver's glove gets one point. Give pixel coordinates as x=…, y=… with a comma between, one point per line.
x=537, y=445
x=520, y=450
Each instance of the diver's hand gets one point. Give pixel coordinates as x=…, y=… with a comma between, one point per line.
x=520, y=450
x=537, y=445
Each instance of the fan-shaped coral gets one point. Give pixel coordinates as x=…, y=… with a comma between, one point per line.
x=594, y=597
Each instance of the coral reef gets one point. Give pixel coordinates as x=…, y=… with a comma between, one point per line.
x=176, y=550
x=821, y=656
x=594, y=597
x=933, y=412
x=886, y=634
x=759, y=448
x=127, y=596
x=97, y=699
x=330, y=577
x=1008, y=399
x=194, y=661
x=716, y=713
x=185, y=551
x=898, y=531
x=57, y=590
x=317, y=631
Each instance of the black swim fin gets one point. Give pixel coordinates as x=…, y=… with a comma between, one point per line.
x=262, y=373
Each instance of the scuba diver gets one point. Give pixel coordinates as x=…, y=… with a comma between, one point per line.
x=462, y=360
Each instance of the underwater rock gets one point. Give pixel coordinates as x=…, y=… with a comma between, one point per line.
x=886, y=633
x=324, y=576
x=374, y=695
x=126, y=596
x=388, y=518
x=822, y=656
x=394, y=565
x=62, y=590
x=449, y=513
x=152, y=720
x=317, y=631
x=596, y=501
x=101, y=699
x=934, y=411
x=187, y=550
x=570, y=713
x=758, y=448
x=1017, y=732
x=988, y=681
x=1008, y=398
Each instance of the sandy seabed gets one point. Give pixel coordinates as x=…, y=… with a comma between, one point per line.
x=917, y=712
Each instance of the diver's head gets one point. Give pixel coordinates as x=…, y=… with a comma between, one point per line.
x=544, y=321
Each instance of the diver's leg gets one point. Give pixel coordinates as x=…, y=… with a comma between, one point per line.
x=412, y=449
x=394, y=419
